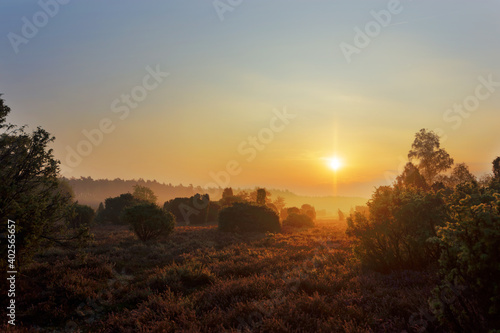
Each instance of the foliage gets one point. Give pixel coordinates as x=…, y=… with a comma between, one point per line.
x=341, y=215
x=149, y=221
x=79, y=215
x=144, y=193
x=411, y=177
x=246, y=217
x=298, y=221
x=470, y=261
x=261, y=196
x=394, y=235
x=193, y=210
x=114, y=208
x=308, y=210
x=30, y=191
x=430, y=157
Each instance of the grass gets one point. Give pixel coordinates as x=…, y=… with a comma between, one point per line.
x=202, y=280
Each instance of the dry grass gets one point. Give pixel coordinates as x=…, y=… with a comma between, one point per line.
x=202, y=280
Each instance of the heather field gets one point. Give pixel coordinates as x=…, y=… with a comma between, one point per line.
x=199, y=279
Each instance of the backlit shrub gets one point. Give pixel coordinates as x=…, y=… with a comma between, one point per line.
x=298, y=221
x=149, y=221
x=246, y=217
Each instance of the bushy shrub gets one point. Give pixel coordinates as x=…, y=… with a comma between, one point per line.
x=79, y=215
x=114, y=208
x=246, y=217
x=468, y=297
x=193, y=210
x=308, y=210
x=149, y=221
x=394, y=234
x=298, y=221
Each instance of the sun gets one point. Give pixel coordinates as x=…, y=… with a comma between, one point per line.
x=334, y=163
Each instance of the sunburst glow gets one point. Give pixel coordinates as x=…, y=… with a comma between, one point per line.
x=334, y=163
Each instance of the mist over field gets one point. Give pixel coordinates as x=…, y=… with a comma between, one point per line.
x=249, y=166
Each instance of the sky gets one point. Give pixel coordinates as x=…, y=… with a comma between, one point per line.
x=253, y=93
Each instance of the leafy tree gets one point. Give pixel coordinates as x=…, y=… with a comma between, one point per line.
x=79, y=215
x=149, y=221
x=99, y=214
x=144, y=194
x=261, y=196
x=228, y=192
x=279, y=203
x=308, y=210
x=247, y=217
x=114, y=207
x=496, y=168
x=430, y=158
x=228, y=198
x=411, y=177
x=395, y=232
x=30, y=192
x=470, y=261
x=298, y=221
x=341, y=215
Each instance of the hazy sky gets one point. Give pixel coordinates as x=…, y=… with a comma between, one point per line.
x=358, y=78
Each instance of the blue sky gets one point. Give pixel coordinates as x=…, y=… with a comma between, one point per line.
x=226, y=77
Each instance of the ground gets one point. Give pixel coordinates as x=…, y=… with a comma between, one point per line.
x=199, y=279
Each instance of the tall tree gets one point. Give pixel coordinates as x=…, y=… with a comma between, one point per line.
x=30, y=192
x=496, y=168
x=144, y=193
x=429, y=158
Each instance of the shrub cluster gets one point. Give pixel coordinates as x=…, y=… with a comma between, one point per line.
x=246, y=217
x=149, y=221
x=298, y=221
x=394, y=234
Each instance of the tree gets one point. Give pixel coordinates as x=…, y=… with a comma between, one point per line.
x=431, y=159
x=395, y=232
x=279, y=203
x=149, y=221
x=228, y=192
x=261, y=196
x=30, y=192
x=461, y=174
x=144, y=193
x=341, y=216
x=496, y=168
x=470, y=261
x=411, y=177
x=308, y=210
x=114, y=207
x=79, y=215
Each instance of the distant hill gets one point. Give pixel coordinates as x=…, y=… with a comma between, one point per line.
x=91, y=192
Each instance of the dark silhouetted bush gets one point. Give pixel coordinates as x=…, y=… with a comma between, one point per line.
x=246, y=217
x=193, y=210
x=149, y=221
x=395, y=232
x=298, y=221
x=79, y=215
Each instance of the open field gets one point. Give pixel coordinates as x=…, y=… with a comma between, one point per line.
x=201, y=279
